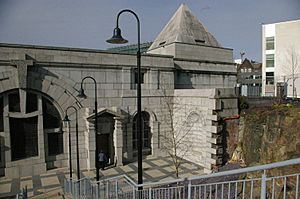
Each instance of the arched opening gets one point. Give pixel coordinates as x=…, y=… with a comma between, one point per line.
x=146, y=134
x=53, y=134
x=32, y=120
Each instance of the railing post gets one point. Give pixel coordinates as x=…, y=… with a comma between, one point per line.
x=107, y=190
x=190, y=189
x=116, y=189
x=133, y=192
x=98, y=191
x=150, y=192
x=263, y=185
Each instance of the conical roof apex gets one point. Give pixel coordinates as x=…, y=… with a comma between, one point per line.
x=184, y=27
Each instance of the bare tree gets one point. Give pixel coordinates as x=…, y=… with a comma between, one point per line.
x=292, y=66
x=178, y=124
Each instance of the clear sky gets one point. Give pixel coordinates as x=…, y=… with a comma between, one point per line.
x=236, y=24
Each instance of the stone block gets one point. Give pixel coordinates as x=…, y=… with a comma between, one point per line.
x=111, y=76
x=111, y=93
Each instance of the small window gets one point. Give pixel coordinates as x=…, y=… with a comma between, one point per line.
x=1, y=116
x=14, y=102
x=269, y=78
x=161, y=43
x=51, y=117
x=270, y=43
x=199, y=41
x=270, y=60
x=31, y=102
x=136, y=77
x=55, y=139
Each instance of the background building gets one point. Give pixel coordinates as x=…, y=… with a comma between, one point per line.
x=249, y=78
x=190, y=75
x=281, y=57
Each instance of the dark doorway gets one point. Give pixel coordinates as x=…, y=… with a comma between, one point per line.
x=104, y=143
x=106, y=125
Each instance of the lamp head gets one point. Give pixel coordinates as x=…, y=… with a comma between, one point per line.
x=66, y=119
x=81, y=94
x=117, y=37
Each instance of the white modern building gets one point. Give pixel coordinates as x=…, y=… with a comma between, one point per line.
x=281, y=58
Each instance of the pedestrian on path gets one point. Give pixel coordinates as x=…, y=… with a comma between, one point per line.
x=102, y=159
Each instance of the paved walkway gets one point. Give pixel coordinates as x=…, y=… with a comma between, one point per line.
x=154, y=169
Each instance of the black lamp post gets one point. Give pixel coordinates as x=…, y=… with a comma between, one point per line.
x=82, y=95
x=66, y=119
x=118, y=39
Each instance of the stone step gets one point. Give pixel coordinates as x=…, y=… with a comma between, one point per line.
x=54, y=193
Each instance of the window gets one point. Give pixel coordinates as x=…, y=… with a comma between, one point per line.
x=14, y=102
x=270, y=60
x=146, y=137
x=55, y=139
x=23, y=137
x=1, y=116
x=31, y=102
x=136, y=77
x=52, y=123
x=269, y=78
x=23, y=124
x=51, y=116
x=270, y=43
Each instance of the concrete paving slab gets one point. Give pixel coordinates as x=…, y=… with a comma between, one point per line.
x=154, y=169
x=154, y=173
x=53, y=180
x=127, y=169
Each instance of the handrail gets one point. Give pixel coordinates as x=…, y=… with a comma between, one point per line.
x=231, y=172
x=219, y=174
x=118, y=177
x=250, y=169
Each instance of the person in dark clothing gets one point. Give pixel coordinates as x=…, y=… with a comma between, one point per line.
x=102, y=159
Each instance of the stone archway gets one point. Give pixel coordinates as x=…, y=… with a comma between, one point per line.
x=24, y=94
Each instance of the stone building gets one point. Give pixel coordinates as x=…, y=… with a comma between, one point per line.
x=38, y=83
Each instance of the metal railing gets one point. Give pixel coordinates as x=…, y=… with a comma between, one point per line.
x=250, y=182
x=22, y=194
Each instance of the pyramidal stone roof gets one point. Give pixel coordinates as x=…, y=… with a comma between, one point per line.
x=184, y=27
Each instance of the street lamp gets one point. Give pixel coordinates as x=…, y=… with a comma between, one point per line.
x=66, y=119
x=118, y=39
x=82, y=95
